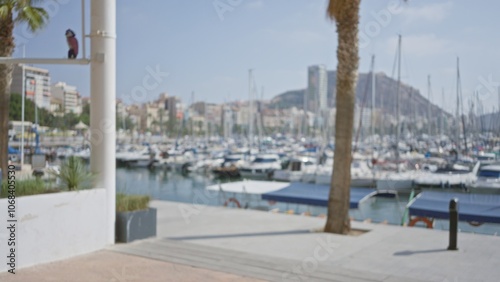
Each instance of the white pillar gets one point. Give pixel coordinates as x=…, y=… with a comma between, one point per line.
x=23, y=94
x=102, y=103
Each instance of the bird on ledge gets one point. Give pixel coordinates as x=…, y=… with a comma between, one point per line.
x=72, y=44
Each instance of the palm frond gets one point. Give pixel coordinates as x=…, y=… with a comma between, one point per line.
x=5, y=11
x=35, y=17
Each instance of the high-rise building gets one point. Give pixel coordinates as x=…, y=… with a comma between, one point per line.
x=36, y=82
x=69, y=97
x=171, y=106
x=316, y=94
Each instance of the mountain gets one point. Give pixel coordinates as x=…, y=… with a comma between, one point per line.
x=412, y=102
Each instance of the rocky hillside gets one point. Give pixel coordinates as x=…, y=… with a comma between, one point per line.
x=412, y=102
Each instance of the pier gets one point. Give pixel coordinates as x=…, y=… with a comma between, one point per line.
x=223, y=244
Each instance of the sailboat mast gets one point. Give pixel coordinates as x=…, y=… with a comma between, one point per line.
x=457, y=138
x=382, y=116
x=250, y=109
x=191, y=118
x=429, y=120
x=498, y=109
x=259, y=118
x=372, y=131
x=441, y=122
x=397, y=104
x=460, y=100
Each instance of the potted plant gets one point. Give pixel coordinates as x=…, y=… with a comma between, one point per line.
x=134, y=218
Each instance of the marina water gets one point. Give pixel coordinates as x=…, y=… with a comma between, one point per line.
x=190, y=189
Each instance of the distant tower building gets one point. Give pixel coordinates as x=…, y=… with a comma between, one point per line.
x=37, y=84
x=316, y=95
x=171, y=106
x=69, y=97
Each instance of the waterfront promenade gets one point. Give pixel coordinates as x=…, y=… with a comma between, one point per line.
x=197, y=242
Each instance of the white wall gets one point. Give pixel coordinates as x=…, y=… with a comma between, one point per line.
x=55, y=226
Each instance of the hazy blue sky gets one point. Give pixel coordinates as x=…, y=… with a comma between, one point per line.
x=209, y=51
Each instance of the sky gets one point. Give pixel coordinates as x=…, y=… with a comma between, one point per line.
x=208, y=46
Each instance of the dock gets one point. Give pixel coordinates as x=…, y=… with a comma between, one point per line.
x=230, y=244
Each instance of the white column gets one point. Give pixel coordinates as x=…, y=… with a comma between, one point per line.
x=102, y=102
x=23, y=94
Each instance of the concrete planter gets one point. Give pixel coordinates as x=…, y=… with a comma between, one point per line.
x=135, y=225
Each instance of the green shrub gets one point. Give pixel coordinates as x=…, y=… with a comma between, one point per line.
x=125, y=203
x=74, y=175
x=27, y=187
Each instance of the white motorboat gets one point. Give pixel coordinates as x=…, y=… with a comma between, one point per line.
x=319, y=172
x=207, y=163
x=263, y=166
x=295, y=169
x=123, y=156
x=398, y=181
x=141, y=159
x=457, y=176
x=180, y=161
x=488, y=179
x=361, y=174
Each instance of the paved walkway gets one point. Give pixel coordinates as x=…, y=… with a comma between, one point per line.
x=202, y=243
x=108, y=266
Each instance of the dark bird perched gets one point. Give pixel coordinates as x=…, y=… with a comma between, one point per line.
x=72, y=44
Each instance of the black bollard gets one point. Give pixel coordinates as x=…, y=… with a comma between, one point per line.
x=453, y=224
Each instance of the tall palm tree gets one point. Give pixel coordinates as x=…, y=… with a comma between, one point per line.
x=345, y=13
x=13, y=12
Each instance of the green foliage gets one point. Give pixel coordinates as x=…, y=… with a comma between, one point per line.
x=125, y=203
x=85, y=116
x=27, y=187
x=71, y=119
x=74, y=175
x=120, y=122
x=45, y=118
x=25, y=12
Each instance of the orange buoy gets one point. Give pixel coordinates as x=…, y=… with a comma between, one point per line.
x=427, y=221
x=232, y=200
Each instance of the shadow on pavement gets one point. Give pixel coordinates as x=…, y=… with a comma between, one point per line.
x=409, y=253
x=291, y=232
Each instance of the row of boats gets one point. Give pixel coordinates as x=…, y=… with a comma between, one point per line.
x=479, y=172
x=420, y=163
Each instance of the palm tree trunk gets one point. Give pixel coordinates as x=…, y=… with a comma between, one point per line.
x=6, y=49
x=347, y=71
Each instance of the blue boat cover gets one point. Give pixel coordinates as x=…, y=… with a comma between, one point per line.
x=315, y=195
x=481, y=208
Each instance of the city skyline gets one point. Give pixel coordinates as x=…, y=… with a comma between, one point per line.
x=210, y=52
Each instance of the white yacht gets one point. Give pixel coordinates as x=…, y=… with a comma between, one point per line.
x=295, y=169
x=230, y=166
x=488, y=179
x=361, y=174
x=140, y=159
x=180, y=161
x=319, y=172
x=455, y=175
x=128, y=153
x=263, y=166
x=205, y=164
